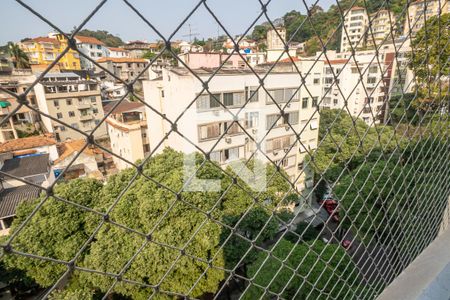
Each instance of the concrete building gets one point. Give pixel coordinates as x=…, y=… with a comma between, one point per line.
x=117, y=52
x=138, y=48
x=383, y=22
x=91, y=47
x=364, y=99
x=206, y=122
x=127, y=130
x=196, y=60
x=422, y=10
x=355, y=23
x=17, y=81
x=126, y=68
x=275, y=45
x=73, y=100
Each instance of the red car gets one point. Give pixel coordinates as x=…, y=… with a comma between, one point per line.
x=331, y=206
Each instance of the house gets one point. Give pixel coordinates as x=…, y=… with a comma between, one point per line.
x=127, y=130
x=92, y=48
x=10, y=200
x=207, y=125
x=92, y=162
x=73, y=100
x=41, y=144
x=116, y=52
x=34, y=168
x=45, y=50
x=125, y=68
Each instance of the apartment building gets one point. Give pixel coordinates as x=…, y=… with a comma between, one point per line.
x=92, y=48
x=127, y=130
x=275, y=45
x=206, y=122
x=382, y=23
x=138, y=48
x=117, y=52
x=45, y=50
x=73, y=100
x=356, y=22
x=125, y=68
x=422, y=10
x=195, y=60
x=364, y=98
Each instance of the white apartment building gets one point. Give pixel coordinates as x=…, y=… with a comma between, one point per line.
x=383, y=22
x=210, y=126
x=365, y=99
x=127, y=130
x=420, y=11
x=73, y=100
x=355, y=23
x=91, y=47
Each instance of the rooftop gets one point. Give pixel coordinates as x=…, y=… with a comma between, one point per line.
x=70, y=147
x=88, y=40
x=117, y=49
x=27, y=143
x=11, y=198
x=42, y=39
x=123, y=106
x=26, y=166
x=122, y=60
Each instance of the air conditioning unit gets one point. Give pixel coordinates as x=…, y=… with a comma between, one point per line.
x=275, y=152
x=254, y=131
x=228, y=140
x=287, y=127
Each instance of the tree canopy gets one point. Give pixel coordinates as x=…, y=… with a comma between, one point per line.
x=109, y=39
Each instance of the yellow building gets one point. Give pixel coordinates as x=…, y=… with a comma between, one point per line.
x=44, y=50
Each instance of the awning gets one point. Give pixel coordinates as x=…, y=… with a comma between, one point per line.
x=4, y=104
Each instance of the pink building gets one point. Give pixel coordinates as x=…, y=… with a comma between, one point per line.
x=196, y=60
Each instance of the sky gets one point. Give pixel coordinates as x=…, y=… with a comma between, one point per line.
x=16, y=22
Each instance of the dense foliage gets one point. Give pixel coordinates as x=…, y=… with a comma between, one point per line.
x=109, y=39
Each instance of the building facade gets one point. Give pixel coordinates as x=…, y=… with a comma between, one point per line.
x=127, y=130
x=117, y=52
x=383, y=22
x=73, y=100
x=92, y=48
x=422, y=10
x=210, y=127
x=45, y=50
x=126, y=68
x=354, y=35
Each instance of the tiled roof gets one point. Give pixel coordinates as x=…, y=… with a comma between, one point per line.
x=70, y=147
x=122, y=60
x=88, y=40
x=289, y=59
x=336, y=61
x=27, y=143
x=26, y=166
x=11, y=198
x=117, y=49
x=43, y=39
x=123, y=106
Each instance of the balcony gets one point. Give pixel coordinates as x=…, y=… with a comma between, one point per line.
x=86, y=118
x=84, y=106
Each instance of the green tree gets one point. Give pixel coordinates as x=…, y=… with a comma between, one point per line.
x=326, y=273
x=429, y=61
x=259, y=32
x=149, y=55
x=18, y=56
x=109, y=39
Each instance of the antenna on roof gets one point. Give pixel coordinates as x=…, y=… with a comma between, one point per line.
x=191, y=34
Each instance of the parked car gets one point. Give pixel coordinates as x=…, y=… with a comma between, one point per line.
x=346, y=244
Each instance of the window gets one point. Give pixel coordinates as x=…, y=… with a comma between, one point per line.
x=69, y=101
x=97, y=122
x=271, y=120
x=206, y=101
x=251, y=119
x=129, y=65
x=316, y=81
x=56, y=103
x=252, y=94
x=328, y=80
x=290, y=93
x=284, y=142
x=93, y=100
x=371, y=80
x=71, y=114
x=232, y=127
x=315, y=101
x=95, y=110
x=228, y=99
x=59, y=115
x=74, y=125
x=231, y=154
x=305, y=103
x=214, y=100
x=209, y=131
